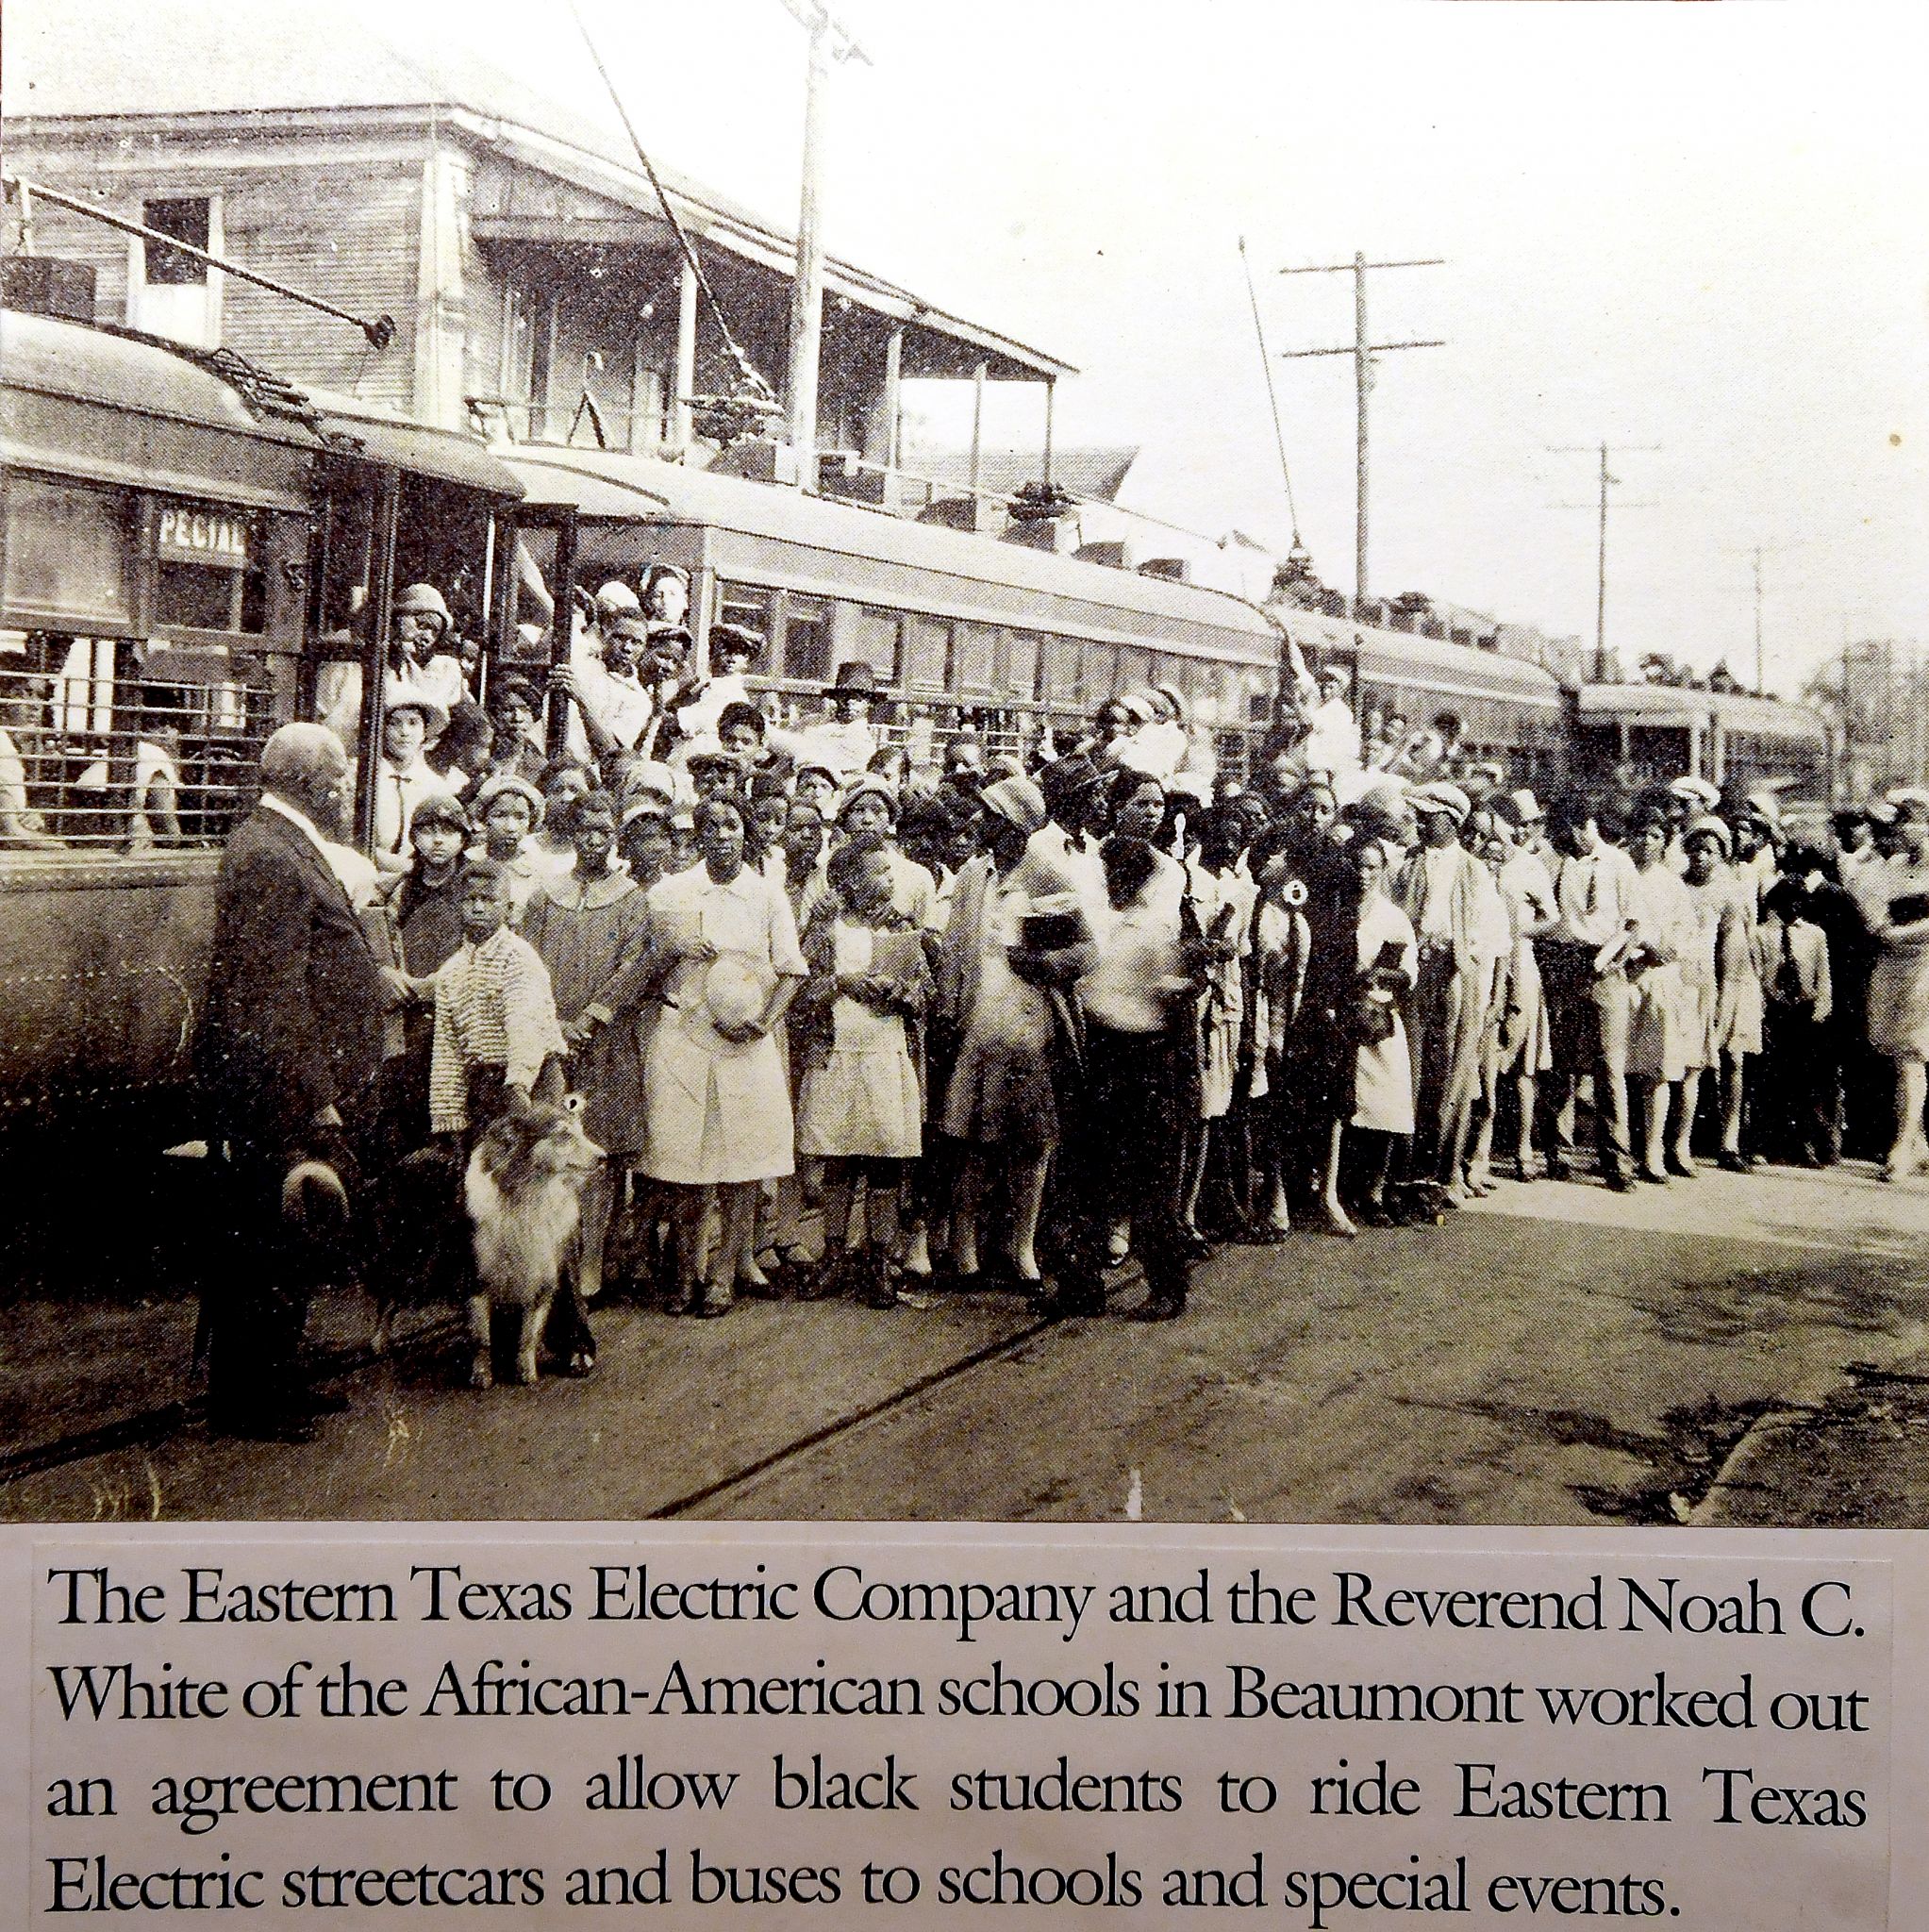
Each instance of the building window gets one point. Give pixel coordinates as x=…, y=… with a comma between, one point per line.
x=175, y=294
x=185, y=221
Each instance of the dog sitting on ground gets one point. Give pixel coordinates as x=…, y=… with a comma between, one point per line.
x=523, y=1189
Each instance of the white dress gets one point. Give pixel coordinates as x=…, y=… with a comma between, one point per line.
x=1383, y=1086
x=718, y=1110
x=863, y=1103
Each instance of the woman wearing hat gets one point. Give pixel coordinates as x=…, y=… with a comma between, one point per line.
x=412, y=718
x=842, y=740
x=590, y=928
x=1897, y=903
x=719, y=1099
x=1443, y=891
x=996, y=999
x=1724, y=915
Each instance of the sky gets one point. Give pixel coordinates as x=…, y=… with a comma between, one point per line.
x=1696, y=227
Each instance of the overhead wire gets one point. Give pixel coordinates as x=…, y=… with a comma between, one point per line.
x=747, y=369
x=1272, y=395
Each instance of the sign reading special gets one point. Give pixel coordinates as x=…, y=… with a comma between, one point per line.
x=192, y=533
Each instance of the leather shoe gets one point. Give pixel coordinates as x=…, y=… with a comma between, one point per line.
x=1159, y=1307
x=1617, y=1183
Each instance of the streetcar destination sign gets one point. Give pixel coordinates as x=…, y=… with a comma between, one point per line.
x=209, y=537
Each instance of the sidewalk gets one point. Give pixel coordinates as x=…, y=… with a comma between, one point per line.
x=1860, y=1460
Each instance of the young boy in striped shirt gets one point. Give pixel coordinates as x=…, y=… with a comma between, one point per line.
x=498, y=1045
x=497, y=1041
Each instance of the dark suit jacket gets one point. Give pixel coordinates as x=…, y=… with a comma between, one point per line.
x=293, y=1018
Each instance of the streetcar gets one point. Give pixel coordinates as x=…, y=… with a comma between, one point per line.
x=184, y=540
x=1654, y=732
x=1513, y=713
x=964, y=631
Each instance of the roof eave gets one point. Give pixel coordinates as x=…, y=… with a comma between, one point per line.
x=729, y=228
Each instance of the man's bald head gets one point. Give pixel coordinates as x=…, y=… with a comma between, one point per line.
x=305, y=765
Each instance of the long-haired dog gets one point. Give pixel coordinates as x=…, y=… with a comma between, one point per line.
x=523, y=1192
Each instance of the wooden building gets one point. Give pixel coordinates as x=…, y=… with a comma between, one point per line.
x=518, y=249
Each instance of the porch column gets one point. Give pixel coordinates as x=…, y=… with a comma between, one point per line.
x=683, y=377
x=893, y=404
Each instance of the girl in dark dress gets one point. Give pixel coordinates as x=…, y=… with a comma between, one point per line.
x=1312, y=1052
x=425, y=913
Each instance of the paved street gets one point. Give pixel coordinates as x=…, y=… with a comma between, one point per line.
x=1558, y=1355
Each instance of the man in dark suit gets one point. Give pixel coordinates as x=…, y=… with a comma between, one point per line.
x=286, y=1055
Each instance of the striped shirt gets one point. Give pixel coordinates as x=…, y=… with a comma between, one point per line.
x=493, y=1009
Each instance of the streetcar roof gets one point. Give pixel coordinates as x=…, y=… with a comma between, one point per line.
x=1398, y=657
x=380, y=436
x=46, y=355
x=1664, y=706
x=613, y=487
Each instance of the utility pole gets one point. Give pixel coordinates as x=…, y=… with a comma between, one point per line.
x=1760, y=682
x=1362, y=351
x=827, y=40
x=1755, y=553
x=1607, y=482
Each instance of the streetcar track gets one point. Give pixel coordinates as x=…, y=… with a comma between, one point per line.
x=160, y=1423
x=982, y=1356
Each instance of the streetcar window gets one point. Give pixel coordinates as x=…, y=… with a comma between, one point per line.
x=926, y=653
x=1135, y=669
x=189, y=598
x=1021, y=665
x=1059, y=677
x=976, y=648
x=748, y=610
x=1098, y=678
x=66, y=553
x=870, y=637
x=806, y=639
x=1257, y=686
x=110, y=745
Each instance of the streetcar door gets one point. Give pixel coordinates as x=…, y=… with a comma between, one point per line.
x=540, y=631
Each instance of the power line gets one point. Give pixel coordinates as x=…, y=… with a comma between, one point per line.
x=761, y=394
x=1363, y=350
x=1607, y=482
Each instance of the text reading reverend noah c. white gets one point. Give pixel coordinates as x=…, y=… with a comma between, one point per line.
x=742, y=1732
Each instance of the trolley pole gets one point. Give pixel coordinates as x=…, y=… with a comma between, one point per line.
x=807, y=286
x=1363, y=349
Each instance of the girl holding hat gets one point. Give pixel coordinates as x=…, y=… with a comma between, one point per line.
x=719, y=1099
